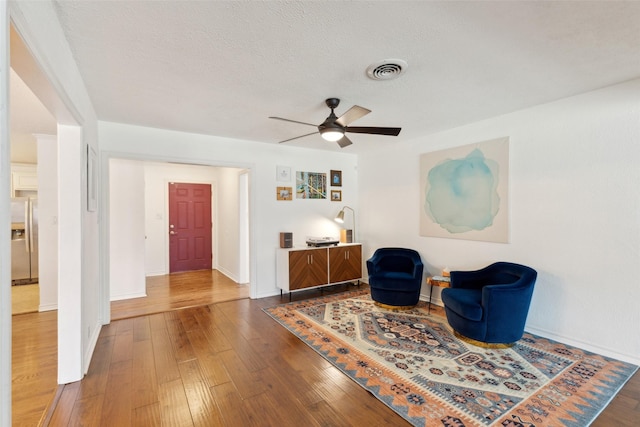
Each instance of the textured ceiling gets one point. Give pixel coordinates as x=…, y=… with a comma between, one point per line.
x=223, y=67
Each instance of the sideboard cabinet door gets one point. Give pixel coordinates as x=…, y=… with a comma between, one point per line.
x=307, y=268
x=345, y=263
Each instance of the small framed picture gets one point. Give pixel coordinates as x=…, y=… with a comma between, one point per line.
x=283, y=173
x=284, y=193
x=336, y=195
x=336, y=178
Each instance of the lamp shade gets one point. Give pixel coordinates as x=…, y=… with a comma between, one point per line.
x=340, y=218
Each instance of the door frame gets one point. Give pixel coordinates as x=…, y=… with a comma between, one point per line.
x=244, y=246
x=74, y=346
x=105, y=223
x=5, y=219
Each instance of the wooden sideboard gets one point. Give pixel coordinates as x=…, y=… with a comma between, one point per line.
x=305, y=268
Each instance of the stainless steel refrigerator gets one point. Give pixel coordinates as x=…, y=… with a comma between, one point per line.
x=24, y=240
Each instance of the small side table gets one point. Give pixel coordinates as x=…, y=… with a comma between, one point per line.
x=440, y=281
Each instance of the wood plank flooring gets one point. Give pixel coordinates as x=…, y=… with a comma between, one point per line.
x=228, y=364
x=180, y=290
x=25, y=299
x=34, y=370
x=34, y=342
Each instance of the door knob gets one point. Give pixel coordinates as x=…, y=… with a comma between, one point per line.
x=172, y=232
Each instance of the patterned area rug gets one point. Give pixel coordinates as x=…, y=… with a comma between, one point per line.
x=413, y=363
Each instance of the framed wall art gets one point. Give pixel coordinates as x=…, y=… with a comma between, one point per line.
x=284, y=193
x=336, y=195
x=464, y=192
x=336, y=178
x=283, y=173
x=311, y=185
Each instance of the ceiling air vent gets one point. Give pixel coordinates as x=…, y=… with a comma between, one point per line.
x=388, y=69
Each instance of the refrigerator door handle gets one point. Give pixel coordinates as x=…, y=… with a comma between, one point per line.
x=27, y=228
x=30, y=232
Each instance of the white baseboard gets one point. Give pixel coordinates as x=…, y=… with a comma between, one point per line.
x=634, y=359
x=228, y=274
x=91, y=345
x=155, y=273
x=128, y=296
x=48, y=307
x=434, y=300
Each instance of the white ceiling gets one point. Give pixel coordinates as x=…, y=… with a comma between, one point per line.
x=27, y=117
x=223, y=67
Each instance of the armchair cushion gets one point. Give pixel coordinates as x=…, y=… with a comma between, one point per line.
x=468, y=302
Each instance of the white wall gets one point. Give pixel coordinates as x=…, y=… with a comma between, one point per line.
x=5, y=220
x=126, y=237
x=48, y=221
x=157, y=179
x=574, y=213
x=268, y=216
x=244, y=249
x=138, y=220
x=63, y=92
x=228, y=223
x=70, y=295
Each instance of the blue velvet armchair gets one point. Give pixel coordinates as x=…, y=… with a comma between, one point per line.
x=395, y=276
x=490, y=305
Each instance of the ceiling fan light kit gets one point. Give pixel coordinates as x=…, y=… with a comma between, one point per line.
x=333, y=128
x=331, y=135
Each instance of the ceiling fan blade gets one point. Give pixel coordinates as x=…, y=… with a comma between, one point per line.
x=344, y=142
x=352, y=114
x=374, y=130
x=296, y=137
x=293, y=121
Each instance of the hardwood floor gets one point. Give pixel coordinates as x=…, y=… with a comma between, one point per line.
x=180, y=290
x=34, y=370
x=227, y=364
x=35, y=339
x=25, y=299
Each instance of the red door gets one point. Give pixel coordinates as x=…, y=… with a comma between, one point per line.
x=189, y=227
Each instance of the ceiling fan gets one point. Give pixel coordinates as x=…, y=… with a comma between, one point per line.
x=334, y=128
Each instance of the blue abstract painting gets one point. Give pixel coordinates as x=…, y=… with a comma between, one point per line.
x=465, y=191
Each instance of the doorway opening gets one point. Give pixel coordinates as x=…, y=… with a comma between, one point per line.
x=139, y=215
x=59, y=163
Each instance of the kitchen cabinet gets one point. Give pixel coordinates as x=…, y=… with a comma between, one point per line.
x=24, y=179
x=305, y=268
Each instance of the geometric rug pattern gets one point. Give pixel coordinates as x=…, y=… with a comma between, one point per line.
x=411, y=361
